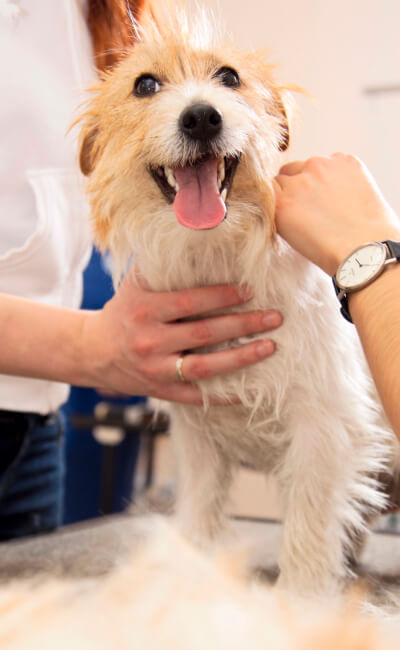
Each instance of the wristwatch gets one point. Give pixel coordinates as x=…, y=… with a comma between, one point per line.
x=362, y=267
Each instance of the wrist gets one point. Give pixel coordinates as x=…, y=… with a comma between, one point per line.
x=94, y=351
x=356, y=240
x=371, y=297
x=362, y=268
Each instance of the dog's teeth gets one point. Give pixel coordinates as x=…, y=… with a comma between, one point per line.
x=224, y=194
x=169, y=175
x=221, y=173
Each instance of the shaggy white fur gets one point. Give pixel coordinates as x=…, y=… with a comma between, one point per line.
x=168, y=595
x=308, y=414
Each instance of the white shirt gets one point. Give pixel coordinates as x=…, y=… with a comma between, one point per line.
x=45, y=61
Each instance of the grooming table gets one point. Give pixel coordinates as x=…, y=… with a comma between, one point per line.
x=93, y=549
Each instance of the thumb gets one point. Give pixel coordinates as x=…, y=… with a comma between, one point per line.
x=137, y=279
x=276, y=187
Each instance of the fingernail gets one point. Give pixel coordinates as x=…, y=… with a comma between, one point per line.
x=245, y=292
x=272, y=319
x=265, y=348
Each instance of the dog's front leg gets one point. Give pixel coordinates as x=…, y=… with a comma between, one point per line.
x=204, y=478
x=315, y=486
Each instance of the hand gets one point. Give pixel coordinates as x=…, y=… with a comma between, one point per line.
x=328, y=206
x=133, y=343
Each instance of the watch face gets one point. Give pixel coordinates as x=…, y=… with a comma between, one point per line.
x=361, y=266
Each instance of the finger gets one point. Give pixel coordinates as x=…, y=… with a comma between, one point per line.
x=139, y=278
x=283, y=184
x=169, y=306
x=175, y=305
x=190, y=335
x=203, y=366
x=277, y=185
x=292, y=168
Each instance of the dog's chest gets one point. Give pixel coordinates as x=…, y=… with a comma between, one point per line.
x=281, y=280
x=257, y=440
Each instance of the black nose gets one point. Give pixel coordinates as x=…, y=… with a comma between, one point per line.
x=201, y=122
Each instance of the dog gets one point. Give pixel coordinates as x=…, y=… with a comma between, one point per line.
x=180, y=143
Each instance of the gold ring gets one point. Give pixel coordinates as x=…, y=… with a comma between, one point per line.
x=179, y=364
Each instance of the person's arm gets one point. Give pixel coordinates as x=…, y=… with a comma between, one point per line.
x=132, y=344
x=376, y=313
x=326, y=208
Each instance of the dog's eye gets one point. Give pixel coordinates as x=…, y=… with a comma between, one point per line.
x=146, y=85
x=228, y=76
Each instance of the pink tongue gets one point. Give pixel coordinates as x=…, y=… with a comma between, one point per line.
x=198, y=203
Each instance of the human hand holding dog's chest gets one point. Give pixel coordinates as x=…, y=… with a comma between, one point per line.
x=138, y=339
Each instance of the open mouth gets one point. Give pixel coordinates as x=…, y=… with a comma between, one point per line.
x=198, y=191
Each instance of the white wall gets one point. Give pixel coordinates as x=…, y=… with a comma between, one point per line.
x=336, y=49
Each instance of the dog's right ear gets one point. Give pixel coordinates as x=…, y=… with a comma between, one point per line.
x=284, y=109
x=282, y=113
x=89, y=151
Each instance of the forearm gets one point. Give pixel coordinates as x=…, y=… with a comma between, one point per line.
x=326, y=208
x=131, y=345
x=41, y=341
x=375, y=311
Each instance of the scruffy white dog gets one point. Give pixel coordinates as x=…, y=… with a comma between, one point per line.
x=181, y=142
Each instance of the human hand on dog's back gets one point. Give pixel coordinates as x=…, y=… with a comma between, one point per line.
x=326, y=207
x=134, y=342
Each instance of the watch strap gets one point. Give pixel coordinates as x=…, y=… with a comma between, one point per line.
x=394, y=248
x=344, y=303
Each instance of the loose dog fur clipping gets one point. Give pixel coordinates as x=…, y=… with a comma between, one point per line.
x=169, y=596
x=180, y=143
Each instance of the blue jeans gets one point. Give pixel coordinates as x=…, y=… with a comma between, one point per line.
x=31, y=474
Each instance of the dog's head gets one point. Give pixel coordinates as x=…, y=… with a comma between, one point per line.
x=183, y=134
